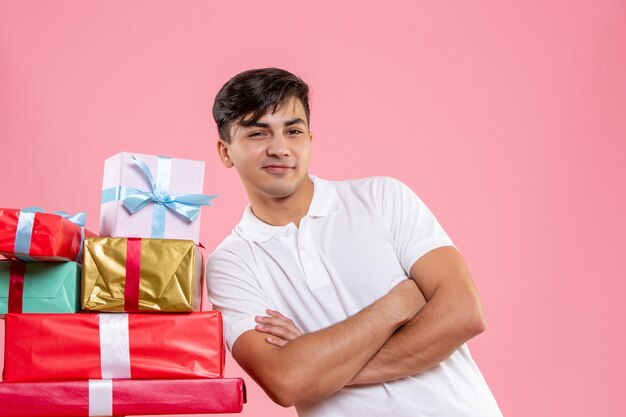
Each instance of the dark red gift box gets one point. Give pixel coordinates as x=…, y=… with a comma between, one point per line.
x=121, y=397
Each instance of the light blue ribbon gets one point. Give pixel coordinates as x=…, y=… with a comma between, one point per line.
x=186, y=206
x=24, y=232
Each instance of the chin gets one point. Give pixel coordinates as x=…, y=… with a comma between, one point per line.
x=279, y=191
x=278, y=186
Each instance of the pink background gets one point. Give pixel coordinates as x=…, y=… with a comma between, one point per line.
x=507, y=119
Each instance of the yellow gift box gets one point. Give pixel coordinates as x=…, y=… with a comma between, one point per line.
x=141, y=275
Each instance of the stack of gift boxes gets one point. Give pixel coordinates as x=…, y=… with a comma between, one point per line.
x=141, y=344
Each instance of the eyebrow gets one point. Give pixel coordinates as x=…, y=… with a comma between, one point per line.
x=266, y=125
x=294, y=122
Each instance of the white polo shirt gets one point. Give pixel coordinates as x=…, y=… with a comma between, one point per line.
x=357, y=241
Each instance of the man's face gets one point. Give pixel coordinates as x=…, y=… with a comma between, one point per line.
x=272, y=155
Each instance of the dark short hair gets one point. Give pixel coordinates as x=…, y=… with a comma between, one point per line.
x=256, y=91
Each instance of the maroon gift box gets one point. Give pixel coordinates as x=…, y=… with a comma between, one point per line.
x=122, y=397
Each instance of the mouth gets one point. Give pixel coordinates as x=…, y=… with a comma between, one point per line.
x=277, y=169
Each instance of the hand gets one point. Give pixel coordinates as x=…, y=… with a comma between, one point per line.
x=408, y=299
x=281, y=330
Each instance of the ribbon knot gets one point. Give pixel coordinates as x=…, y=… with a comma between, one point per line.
x=159, y=198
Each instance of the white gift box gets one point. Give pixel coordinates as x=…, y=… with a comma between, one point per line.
x=151, y=196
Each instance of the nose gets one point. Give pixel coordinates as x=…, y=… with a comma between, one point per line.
x=278, y=146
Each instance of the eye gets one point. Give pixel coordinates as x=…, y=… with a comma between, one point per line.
x=294, y=132
x=256, y=134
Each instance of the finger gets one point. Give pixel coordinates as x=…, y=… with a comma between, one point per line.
x=279, y=319
x=279, y=331
x=275, y=313
x=288, y=325
x=274, y=322
x=278, y=316
x=276, y=341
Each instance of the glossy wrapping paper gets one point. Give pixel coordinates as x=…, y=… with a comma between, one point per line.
x=184, y=176
x=135, y=275
x=44, y=347
x=53, y=237
x=123, y=397
x=39, y=287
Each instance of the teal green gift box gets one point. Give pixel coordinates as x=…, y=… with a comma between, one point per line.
x=49, y=287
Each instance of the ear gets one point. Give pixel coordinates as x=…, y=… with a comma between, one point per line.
x=310, y=136
x=222, y=150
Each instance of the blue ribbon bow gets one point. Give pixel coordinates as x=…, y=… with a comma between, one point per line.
x=25, y=225
x=186, y=206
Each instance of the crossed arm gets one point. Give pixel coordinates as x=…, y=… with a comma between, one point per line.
x=401, y=334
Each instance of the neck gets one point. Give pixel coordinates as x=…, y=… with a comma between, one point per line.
x=280, y=211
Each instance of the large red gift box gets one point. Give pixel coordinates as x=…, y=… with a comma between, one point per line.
x=50, y=237
x=121, y=397
x=43, y=347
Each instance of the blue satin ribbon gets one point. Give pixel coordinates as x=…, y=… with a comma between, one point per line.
x=186, y=206
x=24, y=233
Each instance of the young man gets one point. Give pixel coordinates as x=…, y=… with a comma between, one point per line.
x=343, y=298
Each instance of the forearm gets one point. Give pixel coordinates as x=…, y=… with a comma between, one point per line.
x=437, y=330
x=317, y=364
x=325, y=361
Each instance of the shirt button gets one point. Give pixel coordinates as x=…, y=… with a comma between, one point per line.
x=311, y=265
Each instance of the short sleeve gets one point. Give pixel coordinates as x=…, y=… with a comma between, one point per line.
x=414, y=229
x=233, y=290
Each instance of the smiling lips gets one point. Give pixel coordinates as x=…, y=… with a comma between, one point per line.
x=277, y=168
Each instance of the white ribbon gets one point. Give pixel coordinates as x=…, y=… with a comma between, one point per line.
x=24, y=233
x=100, y=397
x=114, y=346
x=164, y=168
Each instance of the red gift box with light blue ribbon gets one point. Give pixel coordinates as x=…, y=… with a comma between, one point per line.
x=30, y=234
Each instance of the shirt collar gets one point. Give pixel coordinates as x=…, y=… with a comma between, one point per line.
x=325, y=201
